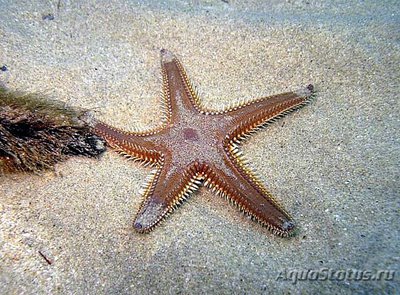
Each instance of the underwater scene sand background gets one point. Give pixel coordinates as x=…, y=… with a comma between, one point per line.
x=334, y=165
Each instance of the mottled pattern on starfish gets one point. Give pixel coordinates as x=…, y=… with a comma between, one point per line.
x=195, y=146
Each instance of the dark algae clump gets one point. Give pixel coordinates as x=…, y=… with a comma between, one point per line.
x=36, y=133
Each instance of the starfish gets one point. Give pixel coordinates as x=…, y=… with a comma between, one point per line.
x=196, y=146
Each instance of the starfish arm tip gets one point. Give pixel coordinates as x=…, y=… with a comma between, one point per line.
x=288, y=225
x=166, y=56
x=149, y=216
x=140, y=228
x=282, y=227
x=305, y=92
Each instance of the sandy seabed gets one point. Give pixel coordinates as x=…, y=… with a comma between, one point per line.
x=334, y=164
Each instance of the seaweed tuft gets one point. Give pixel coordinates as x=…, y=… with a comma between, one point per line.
x=36, y=133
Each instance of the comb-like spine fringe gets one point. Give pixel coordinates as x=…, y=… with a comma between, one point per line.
x=165, y=110
x=127, y=133
x=189, y=87
x=212, y=182
x=148, y=189
x=145, y=162
x=166, y=97
x=147, y=157
x=244, y=103
x=146, y=186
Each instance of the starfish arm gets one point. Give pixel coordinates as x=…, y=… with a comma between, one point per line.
x=169, y=187
x=129, y=145
x=179, y=95
x=262, y=111
x=244, y=190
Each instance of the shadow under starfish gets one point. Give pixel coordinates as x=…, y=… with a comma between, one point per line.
x=197, y=146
